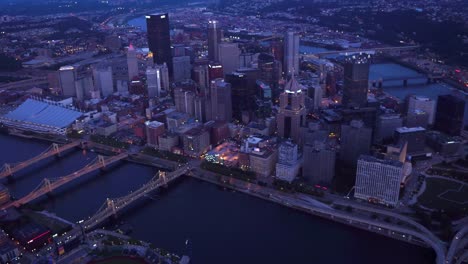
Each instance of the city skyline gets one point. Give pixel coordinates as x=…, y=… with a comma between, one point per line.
x=233, y=131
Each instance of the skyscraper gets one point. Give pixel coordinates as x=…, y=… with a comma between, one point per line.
x=132, y=62
x=291, y=115
x=164, y=76
x=221, y=101
x=415, y=137
x=385, y=127
x=355, y=141
x=422, y=103
x=270, y=71
x=182, y=68
x=184, y=101
x=153, y=81
x=356, y=80
x=103, y=80
x=243, y=89
x=201, y=77
x=214, y=38
x=288, y=164
x=67, y=77
x=291, y=53
x=450, y=114
x=153, y=131
x=84, y=86
x=319, y=163
x=378, y=180
x=159, y=39
x=229, y=56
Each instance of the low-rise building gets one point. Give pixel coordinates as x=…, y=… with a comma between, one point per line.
x=262, y=161
x=196, y=141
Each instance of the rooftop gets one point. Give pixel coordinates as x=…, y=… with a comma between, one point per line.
x=42, y=113
x=386, y=162
x=410, y=129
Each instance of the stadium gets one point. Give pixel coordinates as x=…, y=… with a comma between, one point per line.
x=41, y=117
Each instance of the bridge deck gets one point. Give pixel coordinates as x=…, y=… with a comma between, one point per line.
x=11, y=169
x=48, y=185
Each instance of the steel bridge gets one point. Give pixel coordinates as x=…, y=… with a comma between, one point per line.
x=48, y=185
x=360, y=50
x=10, y=168
x=112, y=206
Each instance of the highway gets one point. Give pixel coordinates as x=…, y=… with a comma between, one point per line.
x=291, y=200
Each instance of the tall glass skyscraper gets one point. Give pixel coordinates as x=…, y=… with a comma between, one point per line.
x=159, y=39
x=356, y=80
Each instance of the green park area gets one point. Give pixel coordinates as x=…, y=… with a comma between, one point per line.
x=445, y=194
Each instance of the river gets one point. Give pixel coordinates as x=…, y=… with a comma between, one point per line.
x=223, y=226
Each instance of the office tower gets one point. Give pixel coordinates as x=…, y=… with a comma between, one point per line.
x=153, y=81
x=201, y=77
x=215, y=71
x=315, y=93
x=67, y=77
x=270, y=70
x=292, y=111
x=355, y=141
x=449, y=117
x=184, y=101
x=422, y=103
x=417, y=118
x=291, y=53
x=132, y=62
x=182, y=68
x=154, y=130
x=83, y=86
x=159, y=39
x=277, y=49
x=414, y=136
x=264, y=92
x=164, y=70
x=243, y=94
x=215, y=34
x=318, y=163
x=356, y=80
x=196, y=141
x=330, y=84
x=246, y=59
x=386, y=126
x=221, y=102
x=229, y=56
x=122, y=86
x=262, y=161
x=313, y=132
x=103, y=80
x=178, y=50
x=200, y=104
x=367, y=114
x=378, y=180
x=288, y=164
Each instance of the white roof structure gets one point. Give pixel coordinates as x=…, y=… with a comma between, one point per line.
x=41, y=117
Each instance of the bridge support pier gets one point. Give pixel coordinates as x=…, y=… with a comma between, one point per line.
x=7, y=168
x=405, y=83
x=111, y=206
x=162, y=175
x=56, y=149
x=102, y=161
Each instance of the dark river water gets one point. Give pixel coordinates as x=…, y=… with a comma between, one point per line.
x=223, y=226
